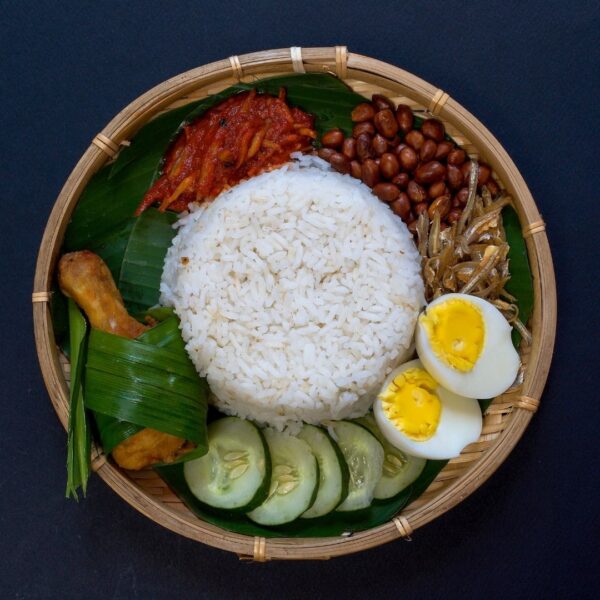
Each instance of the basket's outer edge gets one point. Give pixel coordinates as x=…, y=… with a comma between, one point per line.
x=367, y=69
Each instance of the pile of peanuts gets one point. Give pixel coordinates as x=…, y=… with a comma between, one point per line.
x=413, y=170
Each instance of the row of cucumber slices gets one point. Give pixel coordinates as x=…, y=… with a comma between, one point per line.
x=274, y=478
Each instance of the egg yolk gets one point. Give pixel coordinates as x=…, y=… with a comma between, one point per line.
x=410, y=403
x=456, y=332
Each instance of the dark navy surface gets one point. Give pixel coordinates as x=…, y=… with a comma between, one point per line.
x=528, y=70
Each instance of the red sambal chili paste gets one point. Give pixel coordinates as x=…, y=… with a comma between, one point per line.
x=242, y=136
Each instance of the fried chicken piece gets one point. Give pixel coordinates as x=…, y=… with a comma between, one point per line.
x=145, y=448
x=85, y=277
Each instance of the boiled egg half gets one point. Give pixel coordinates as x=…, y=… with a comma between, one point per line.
x=420, y=417
x=465, y=343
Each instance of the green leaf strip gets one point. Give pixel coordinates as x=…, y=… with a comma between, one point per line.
x=78, y=435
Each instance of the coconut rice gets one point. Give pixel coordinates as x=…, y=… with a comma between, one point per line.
x=298, y=292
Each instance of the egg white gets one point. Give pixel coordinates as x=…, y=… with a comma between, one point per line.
x=497, y=366
x=460, y=423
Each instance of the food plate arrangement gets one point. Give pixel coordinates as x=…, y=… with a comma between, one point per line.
x=294, y=304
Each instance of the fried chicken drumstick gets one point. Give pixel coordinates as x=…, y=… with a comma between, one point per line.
x=84, y=277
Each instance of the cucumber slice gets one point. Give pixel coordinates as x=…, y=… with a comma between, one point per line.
x=333, y=471
x=235, y=473
x=364, y=457
x=294, y=480
x=399, y=469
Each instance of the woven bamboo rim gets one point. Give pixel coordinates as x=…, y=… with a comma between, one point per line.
x=505, y=420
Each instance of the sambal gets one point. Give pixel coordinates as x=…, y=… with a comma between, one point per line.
x=242, y=136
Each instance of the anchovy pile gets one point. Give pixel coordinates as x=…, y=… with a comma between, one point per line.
x=471, y=256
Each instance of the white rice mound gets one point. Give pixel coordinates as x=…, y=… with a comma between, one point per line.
x=298, y=292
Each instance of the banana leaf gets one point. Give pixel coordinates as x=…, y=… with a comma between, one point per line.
x=520, y=284
x=166, y=334
x=143, y=259
x=79, y=441
x=106, y=207
x=111, y=247
x=145, y=385
x=160, y=313
x=333, y=524
x=151, y=140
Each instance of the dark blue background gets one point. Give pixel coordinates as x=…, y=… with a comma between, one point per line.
x=529, y=71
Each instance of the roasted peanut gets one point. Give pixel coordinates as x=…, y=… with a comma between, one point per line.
x=401, y=206
x=456, y=157
x=492, y=186
x=404, y=117
x=385, y=123
x=440, y=205
x=453, y=216
x=339, y=162
x=394, y=141
x=416, y=192
x=484, y=174
x=443, y=149
x=325, y=153
x=463, y=195
x=363, y=146
x=370, y=172
x=455, y=177
x=349, y=148
x=434, y=129
x=482, y=177
x=430, y=169
x=379, y=145
x=381, y=102
x=389, y=165
x=334, y=138
x=415, y=139
x=420, y=207
x=387, y=192
x=356, y=169
x=364, y=127
x=437, y=189
x=408, y=158
x=430, y=172
x=428, y=150
x=412, y=226
x=362, y=112
x=399, y=147
x=465, y=169
x=401, y=180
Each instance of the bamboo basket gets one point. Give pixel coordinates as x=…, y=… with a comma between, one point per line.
x=504, y=421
